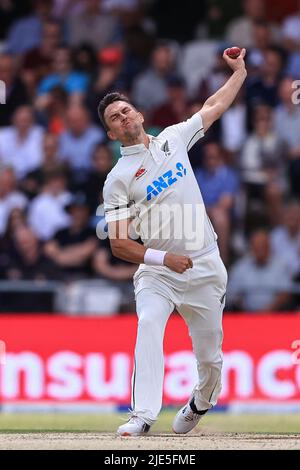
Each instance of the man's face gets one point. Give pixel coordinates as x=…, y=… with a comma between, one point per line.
x=77, y=120
x=260, y=247
x=23, y=119
x=123, y=120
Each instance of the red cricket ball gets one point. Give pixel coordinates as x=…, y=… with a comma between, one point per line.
x=233, y=52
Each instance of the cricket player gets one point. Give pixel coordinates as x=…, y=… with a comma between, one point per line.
x=152, y=192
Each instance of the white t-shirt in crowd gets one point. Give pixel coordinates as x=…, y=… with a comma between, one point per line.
x=22, y=155
x=47, y=214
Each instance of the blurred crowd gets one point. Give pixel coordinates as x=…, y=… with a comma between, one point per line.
x=58, y=58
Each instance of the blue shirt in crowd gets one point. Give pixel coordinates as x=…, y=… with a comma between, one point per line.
x=214, y=185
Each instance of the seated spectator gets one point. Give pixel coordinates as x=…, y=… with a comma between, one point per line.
x=63, y=75
x=54, y=115
x=26, y=33
x=240, y=30
x=262, y=165
x=119, y=272
x=150, y=87
x=259, y=281
x=234, y=127
x=21, y=144
x=37, y=62
x=218, y=184
x=78, y=141
x=16, y=219
x=291, y=40
x=287, y=125
x=72, y=248
x=27, y=261
x=16, y=92
x=262, y=40
x=107, y=78
x=102, y=163
x=175, y=109
x=290, y=30
x=10, y=198
x=47, y=212
x=263, y=87
x=285, y=238
x=93, y=26
x=33, y=182
x=85, y=59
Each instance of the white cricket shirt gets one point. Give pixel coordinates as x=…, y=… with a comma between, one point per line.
x=156, y=188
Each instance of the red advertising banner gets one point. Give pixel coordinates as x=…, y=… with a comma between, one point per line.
x=89, y=360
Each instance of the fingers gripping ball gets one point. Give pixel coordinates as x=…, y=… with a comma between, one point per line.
x=233, y=52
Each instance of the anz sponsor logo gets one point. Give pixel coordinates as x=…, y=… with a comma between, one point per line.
x=164, y=181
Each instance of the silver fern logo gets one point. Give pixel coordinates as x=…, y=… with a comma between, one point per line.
x=166, y=149
x=2, y=92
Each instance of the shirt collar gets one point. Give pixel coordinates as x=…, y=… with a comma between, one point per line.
x=134, y=149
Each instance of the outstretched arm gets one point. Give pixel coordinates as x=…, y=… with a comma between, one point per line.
x=218, y=103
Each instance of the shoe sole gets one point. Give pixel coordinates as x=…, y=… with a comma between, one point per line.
x=176, y=432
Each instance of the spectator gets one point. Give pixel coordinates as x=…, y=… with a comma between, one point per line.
x=240, y=31
x=262, y=40
x=175, y=109
x=218, y=185
x=287, y=125
x=16, y=219
x=291, y=40
x=47, y=212
x=262, y=164
x=107, y=78
x=21, y=144
x=26, y=33
x=73, y=82
x=150, y=87
x=234, y=126
x=285, y=238
x=37, y=62
x=102, y=163
x=93, y=26
x=72, y=248
x=263, y=88
x=10, y=198
x=290, y=30
x=54, y=116
x=78, y=141
x=85, y=60
x=16, y=93
x=33, y=182
x=27, y=263
x=259, y=281
x=114, y=270
x=27, y=260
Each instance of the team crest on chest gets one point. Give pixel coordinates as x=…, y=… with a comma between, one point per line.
x=166, y=149
x=142, y=171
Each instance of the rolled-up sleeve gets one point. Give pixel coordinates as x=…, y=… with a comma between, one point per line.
x=116, y=200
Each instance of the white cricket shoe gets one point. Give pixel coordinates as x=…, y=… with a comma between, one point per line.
x=135, y=426
x=187, y=418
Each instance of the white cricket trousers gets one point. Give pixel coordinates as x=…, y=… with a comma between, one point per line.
x=199, y=296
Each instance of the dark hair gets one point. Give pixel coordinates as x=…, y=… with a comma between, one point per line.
x=106, y=101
